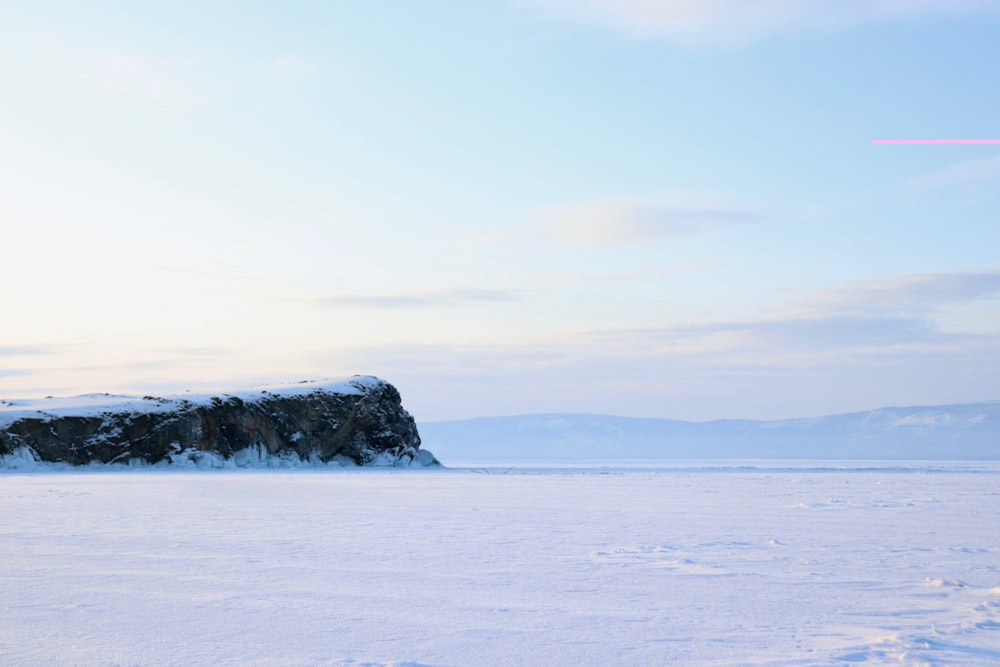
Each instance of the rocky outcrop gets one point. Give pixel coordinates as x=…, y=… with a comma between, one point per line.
x=360, y=420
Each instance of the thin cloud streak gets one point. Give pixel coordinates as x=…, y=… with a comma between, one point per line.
x=139, y=78
x=192, y=352
x=813, y=333
x=26, y=350
x=846, y=343
x=19, y=372
x=287, y=68
x=697, y=23
x=912, y=294
x=639, y=274
x=637, y=222
x=969, y=173
x=450, y=297
x=767, y=369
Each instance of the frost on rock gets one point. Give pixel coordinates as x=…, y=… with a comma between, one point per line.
x=360, y=421
x=20, y=458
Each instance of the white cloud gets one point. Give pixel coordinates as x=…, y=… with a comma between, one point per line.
x=697, y=22
x=763, y=369
x=638, y=274
x=635, y=222
x=454, y=296
x=981, y=172
x=287, y=68
x=862, y=346
x=865, y=345
x=130, y=74
x=24, y=350
x=913, y=295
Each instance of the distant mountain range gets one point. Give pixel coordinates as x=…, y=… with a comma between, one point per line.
x=947, y=432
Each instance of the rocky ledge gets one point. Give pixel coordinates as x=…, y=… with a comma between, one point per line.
x=359, y=421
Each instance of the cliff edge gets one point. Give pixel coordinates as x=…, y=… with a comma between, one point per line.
x=359, y=420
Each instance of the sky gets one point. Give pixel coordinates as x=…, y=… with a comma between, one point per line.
x=651, y=208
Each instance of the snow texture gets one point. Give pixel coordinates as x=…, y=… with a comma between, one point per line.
x=695, y=564
x=97, y=405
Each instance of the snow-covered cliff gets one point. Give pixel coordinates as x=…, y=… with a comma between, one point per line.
x=359, y=420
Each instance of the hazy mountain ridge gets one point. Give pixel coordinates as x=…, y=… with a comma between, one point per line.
x=961, y=431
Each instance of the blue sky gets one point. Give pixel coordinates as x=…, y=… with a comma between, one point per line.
x=659, y=208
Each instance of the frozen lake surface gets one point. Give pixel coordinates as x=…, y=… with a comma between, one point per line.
x=699, y=564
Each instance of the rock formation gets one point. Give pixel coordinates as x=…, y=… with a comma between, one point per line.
x=360, y=420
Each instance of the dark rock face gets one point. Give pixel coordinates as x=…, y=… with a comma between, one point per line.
x=360, y=421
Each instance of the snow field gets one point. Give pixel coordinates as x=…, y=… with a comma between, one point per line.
x=456, y=567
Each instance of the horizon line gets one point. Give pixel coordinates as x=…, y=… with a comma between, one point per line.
x=937, y=141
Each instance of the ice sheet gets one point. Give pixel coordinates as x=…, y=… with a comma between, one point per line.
x=704, y=565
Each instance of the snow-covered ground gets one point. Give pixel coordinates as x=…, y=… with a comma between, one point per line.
x=714, y=564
